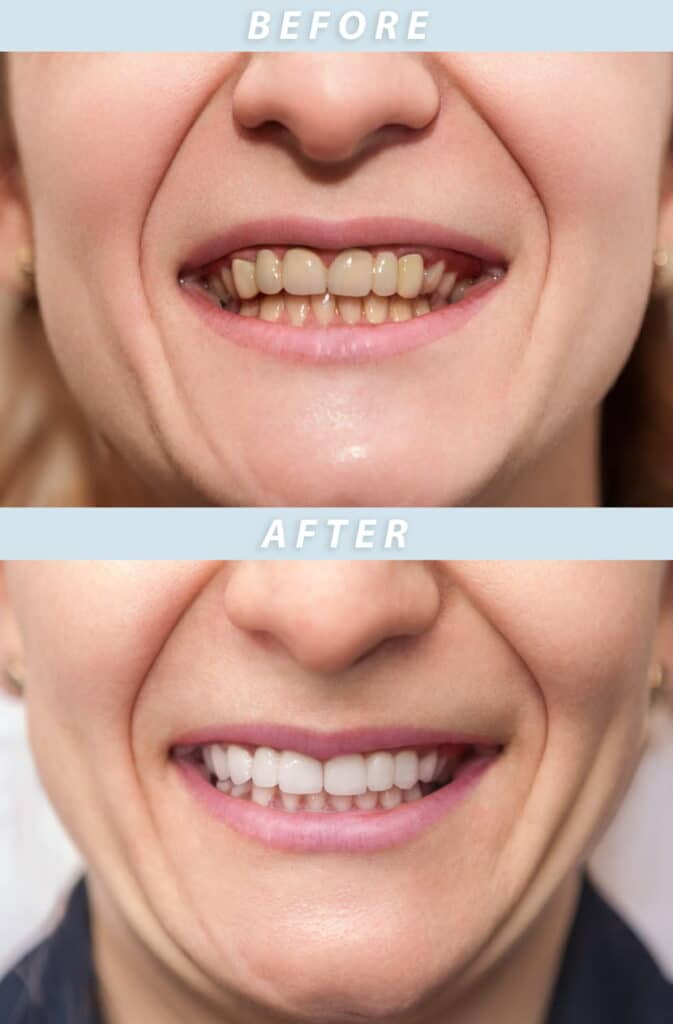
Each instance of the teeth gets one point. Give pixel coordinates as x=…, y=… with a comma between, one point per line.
x=298, y=308
x=400, y=310
x=228, y=282
x=240, y=764
x=346, y=775
x=245, y=279
x=263, y=795
x=366, y=801
x=410, y=276
x=272, y=308
x=421, y=307
x=380, y=771
x=432, y=277
x=219, y=762
x=299, y=774
x=406, y=769
x=412, y=794
x=376, y=309
x=249, y=309
x=384, y=275
x=316, y=801
x=269, y=272
x=265, y=767
x=427, y=765
x=390, y=798
x=446, y=285
x=243, y=790
x=350, y=310
x=304, y=273
x=290, y=801
x=324, y=308
x=342, y=803
x=351, y=273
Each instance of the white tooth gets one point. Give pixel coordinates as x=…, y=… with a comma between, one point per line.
x=265, y=767
x=298, y=773
x=427, y=765
x=220, y=761
x=240, y=764
x=380, y=771
x=304, y=273
x=432, y=277
x=390, y=798
x=208, y=758
x=324, y=308
x=413, y=794
x=272, y=308
x=315, y=801
x=225, y=786
x=410, y=276
x=268, y=271
x=342, y=803
x=262, y=795
x=242, y=790
x=366, y=801
x=298, y=308
x=346, y=775
x=351, y=273
x=384, y=274
x=406, y=769
x=290, y=801
x=244, y=278
x=350, y=310
x=445, y=286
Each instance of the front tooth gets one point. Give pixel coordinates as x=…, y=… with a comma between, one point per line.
x=400, y=310
x=384, y=274
x=350, y=310
x=263, y=795
x=298, y=308
x=265, y=767
x=351, y=273
x=380, y=771
x=376, y=309
x=390, y=798
x=315, y=801
x=304, y=273
x=245, y=278
x=346, y=775
x=271, y=308
x=324, y=308
x=220, y=761
x=432, y=277
x=427, y=765
x=290, y=801
x=410, y=276
x=406, y=769
x=298, y=773
x=366, y=801
x=269, y=272
x=342, y=803
x=240, y=764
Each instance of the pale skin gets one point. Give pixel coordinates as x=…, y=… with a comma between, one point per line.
x=192, y=920
x=534, y=152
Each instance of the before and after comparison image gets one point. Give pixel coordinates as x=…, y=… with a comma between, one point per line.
x=292, y=281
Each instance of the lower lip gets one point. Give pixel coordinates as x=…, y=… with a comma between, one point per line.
x=340, y=344
x=349, y=831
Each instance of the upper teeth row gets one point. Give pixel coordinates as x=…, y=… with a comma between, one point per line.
x=355, y=273
x=345, y=775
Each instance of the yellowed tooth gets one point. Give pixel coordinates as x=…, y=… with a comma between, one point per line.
x=458, y=292
x=269, y=272
x=384, y=274
x=432, y=277
x=228, y=281
x=245, y=279
x=350, y=310
x=421, y=307
x=216, y=286
x=410, y=276
x=376, y=309
x=400, y=310
x=249, y=309
x=445, y=286
x=272, y=308
x=324, y=308
x=304, y=273
x=350, y=274
x=298, y=308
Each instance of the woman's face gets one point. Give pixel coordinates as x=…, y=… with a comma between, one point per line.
x=545, y=663
x=145, y=169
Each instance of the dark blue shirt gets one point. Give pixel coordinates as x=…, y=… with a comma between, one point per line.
x=607, y=976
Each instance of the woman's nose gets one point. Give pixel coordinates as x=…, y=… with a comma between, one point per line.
x=329, y=615
x=334, y=105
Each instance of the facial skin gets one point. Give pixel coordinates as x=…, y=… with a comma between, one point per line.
x=553, y=658
x=557, y=160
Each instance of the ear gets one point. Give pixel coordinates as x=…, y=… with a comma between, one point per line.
x=15, y=229
x=11, y=648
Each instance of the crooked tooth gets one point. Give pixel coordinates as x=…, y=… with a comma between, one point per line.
x=406, y=769
x=219, y=760
x=265, y=767
x=413, y=794
x=298, y=773
x=426, y=766
x=240, y=764
x=446, y=285
x=410, y=276
x=400, y=310
x=324, y=308
x=304, y=273
x=384, y=274
x=269, y=272
x=366, y=801
x=351, y=273
x=390, y=798
x=272, y=308
x=341, y=803
x=432, y=277
x=245, y=279
x=376, y=309
x=345, y=775
x=421, y=307
x=298, y=308
x=263, y=795
x=350, y=310
x=380, y=771
x=249, y=309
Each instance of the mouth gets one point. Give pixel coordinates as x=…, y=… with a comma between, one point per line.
x=362, y=799
x=338, y=304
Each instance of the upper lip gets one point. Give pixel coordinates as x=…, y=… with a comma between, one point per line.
x=365, y=232
x=323, y=746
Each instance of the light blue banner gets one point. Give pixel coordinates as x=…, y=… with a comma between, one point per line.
x=337, y=533
x=226, y=25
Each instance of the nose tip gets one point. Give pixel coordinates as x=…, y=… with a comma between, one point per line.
x=335, y=106
x=328, y=616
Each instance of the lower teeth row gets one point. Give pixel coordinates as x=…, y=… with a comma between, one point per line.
x=325, y=802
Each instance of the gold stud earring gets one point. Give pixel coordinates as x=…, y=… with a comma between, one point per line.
x=25, y=263
x=662, y=278
x=15, y=677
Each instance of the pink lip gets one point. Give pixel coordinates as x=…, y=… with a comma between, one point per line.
x=350, y=831
x=322, y=234
x=323, y=746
